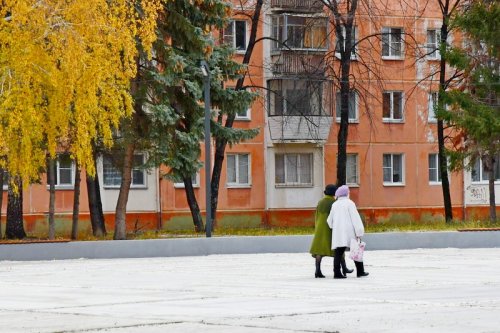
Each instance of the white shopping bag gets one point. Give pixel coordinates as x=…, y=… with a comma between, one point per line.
x=357, y=249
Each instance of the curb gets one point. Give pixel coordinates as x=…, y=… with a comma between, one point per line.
x=236, y=245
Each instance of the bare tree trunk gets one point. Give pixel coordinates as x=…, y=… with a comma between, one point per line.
x=491, y=188
x=2, y=173
x=95, y=203
x=193, y=205
x=51, y=175
x=346, y=21
x=76, y=202
x=100, y=212
x=443, y=165
x=343, y=131
x=221, y=143
x=121, y=204
x=15, y=228
x=98, y=229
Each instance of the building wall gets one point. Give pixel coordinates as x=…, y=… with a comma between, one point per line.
x=141, y=199
x=262, y=202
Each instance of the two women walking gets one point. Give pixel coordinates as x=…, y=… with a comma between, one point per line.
x=336, y=223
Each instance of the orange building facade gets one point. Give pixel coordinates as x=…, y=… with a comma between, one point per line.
x=277, y=178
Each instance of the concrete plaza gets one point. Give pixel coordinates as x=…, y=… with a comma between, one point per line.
x=422, y=290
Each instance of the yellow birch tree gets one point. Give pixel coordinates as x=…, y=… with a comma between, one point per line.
x=65, y=71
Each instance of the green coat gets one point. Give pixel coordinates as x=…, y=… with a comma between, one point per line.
x=322, y=241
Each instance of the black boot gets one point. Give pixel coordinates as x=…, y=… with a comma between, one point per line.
x=360, y=269
x=337, y=259
x=318, y=273
x=344, y=267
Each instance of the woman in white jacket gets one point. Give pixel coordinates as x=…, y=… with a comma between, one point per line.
x=346, y=224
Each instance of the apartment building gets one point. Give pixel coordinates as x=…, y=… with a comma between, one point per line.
x=277, y=178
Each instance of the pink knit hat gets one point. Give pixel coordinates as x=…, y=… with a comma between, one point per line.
x=342, y=191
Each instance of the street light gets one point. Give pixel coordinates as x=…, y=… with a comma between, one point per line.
x=205, y=70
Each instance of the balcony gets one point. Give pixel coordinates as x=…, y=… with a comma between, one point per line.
x=295, y=62
x=299, y=45
x=299, y=109
x=310, y=6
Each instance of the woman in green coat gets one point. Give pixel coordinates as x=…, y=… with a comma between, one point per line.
x=322, y=242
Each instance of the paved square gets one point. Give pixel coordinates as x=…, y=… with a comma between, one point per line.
x=446, y=290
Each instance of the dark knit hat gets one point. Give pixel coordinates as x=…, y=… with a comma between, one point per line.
x=330, y=189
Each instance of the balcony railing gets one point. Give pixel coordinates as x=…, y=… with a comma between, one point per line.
x=296, y=62
x=302, y=5
x=300, y=128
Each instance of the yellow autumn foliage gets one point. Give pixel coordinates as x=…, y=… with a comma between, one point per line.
x=65, y=73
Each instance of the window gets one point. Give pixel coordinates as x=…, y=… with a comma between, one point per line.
x=433, y=103
x=238, y=169
x=235, y=35
x=299, y=32
x=64, y=172
x=277, y=32
x=5, y=179
x=480, y=174
x=296, y=98
x=392, y=108
x=433, y=41
x=195, y=180
x=354, y=47
x=240, y=114
x=112, y=176
x=392, y=43
x=243, y=115
x=393, y=169
x=293, y=169
x=434, y=173
x=353, y=106
x=352, y=169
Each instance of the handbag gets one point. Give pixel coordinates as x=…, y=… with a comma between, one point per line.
x=357, y=248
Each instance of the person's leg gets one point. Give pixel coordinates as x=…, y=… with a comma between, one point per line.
x=345, y=270
x=339, y=253
x=318, y=273
x=360, y=269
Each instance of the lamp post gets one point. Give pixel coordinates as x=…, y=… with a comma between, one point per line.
x=208, y=194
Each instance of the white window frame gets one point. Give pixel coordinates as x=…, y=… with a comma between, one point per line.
x=195, y=179
x=436, y=170
x=354, y=51
x=58, y=169
x=237, y=183
x=279, y=31
x=479, y=165
x=391, y=167
x=391, y=118
x=300, y=157
x=241, y=116
x=433, y=47
x=387, y=32
x=356, y=171
x=132, y=185
x=58, y=174
x=432, y=100
x=356, y=107
x=246, y=116
x=232, y=27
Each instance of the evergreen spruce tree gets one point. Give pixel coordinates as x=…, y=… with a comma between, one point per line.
x=475, y=105
x=173, y=88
